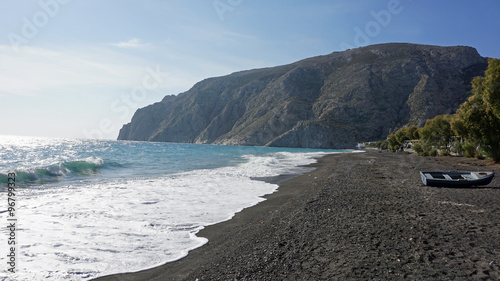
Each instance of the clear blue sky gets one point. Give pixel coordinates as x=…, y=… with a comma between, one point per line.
x=80, y=68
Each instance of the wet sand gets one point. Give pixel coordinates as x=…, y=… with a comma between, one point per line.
x=363, y=216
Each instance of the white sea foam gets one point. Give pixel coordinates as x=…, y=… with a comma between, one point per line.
x=122, y=225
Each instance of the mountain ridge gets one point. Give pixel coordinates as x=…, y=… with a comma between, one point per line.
x=328, y=101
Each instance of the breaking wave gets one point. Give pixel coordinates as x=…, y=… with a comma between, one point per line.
x=55, y=172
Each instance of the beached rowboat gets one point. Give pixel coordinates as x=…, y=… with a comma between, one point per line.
x=456, y=179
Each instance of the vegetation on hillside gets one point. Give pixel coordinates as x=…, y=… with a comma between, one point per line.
x=473, y=131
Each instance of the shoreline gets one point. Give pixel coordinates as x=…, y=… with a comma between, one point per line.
x=209, y=233
x=356, y=216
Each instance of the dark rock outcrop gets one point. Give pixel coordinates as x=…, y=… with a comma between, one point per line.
x=330, y=101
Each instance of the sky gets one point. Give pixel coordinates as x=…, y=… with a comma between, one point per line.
x=81, y=68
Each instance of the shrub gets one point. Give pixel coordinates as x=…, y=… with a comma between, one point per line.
x=433, y=152
x=480, y=155
x=469, y=150
x=457, y=147
x=444, y=152
x=418, y=149
x=382, y=144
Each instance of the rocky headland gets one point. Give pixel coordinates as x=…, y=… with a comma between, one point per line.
x=331, y=101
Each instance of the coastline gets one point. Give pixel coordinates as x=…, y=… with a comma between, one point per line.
x=356, y=216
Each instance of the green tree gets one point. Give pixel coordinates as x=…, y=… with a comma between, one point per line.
x=401, y=136
x=404, y=134
x=491, y=86
x=478, y=118
x=393, y=143
x=437, y=132
x=412, y=133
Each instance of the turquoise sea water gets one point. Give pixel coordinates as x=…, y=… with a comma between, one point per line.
x=87, y=208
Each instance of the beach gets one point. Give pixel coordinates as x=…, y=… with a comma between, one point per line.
x=357, y=216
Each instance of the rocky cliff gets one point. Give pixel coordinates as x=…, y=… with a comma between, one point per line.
x=330, y=101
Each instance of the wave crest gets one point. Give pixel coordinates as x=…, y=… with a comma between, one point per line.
x=78, y=168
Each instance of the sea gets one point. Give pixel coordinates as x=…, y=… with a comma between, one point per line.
x=75, y=209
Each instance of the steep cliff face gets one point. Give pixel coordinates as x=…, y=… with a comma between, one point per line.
x=330, y=101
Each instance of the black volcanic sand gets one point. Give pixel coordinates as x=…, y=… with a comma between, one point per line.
x=362, y=216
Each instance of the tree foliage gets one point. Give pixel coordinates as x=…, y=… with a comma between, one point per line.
x=393, y=143
x=478, y=119
x=491, y=87
x=401, y=136
x=437, y=132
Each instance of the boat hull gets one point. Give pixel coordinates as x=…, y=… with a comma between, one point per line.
x=456, y=179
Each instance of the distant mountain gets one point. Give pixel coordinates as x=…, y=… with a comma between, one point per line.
x=331, y=101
